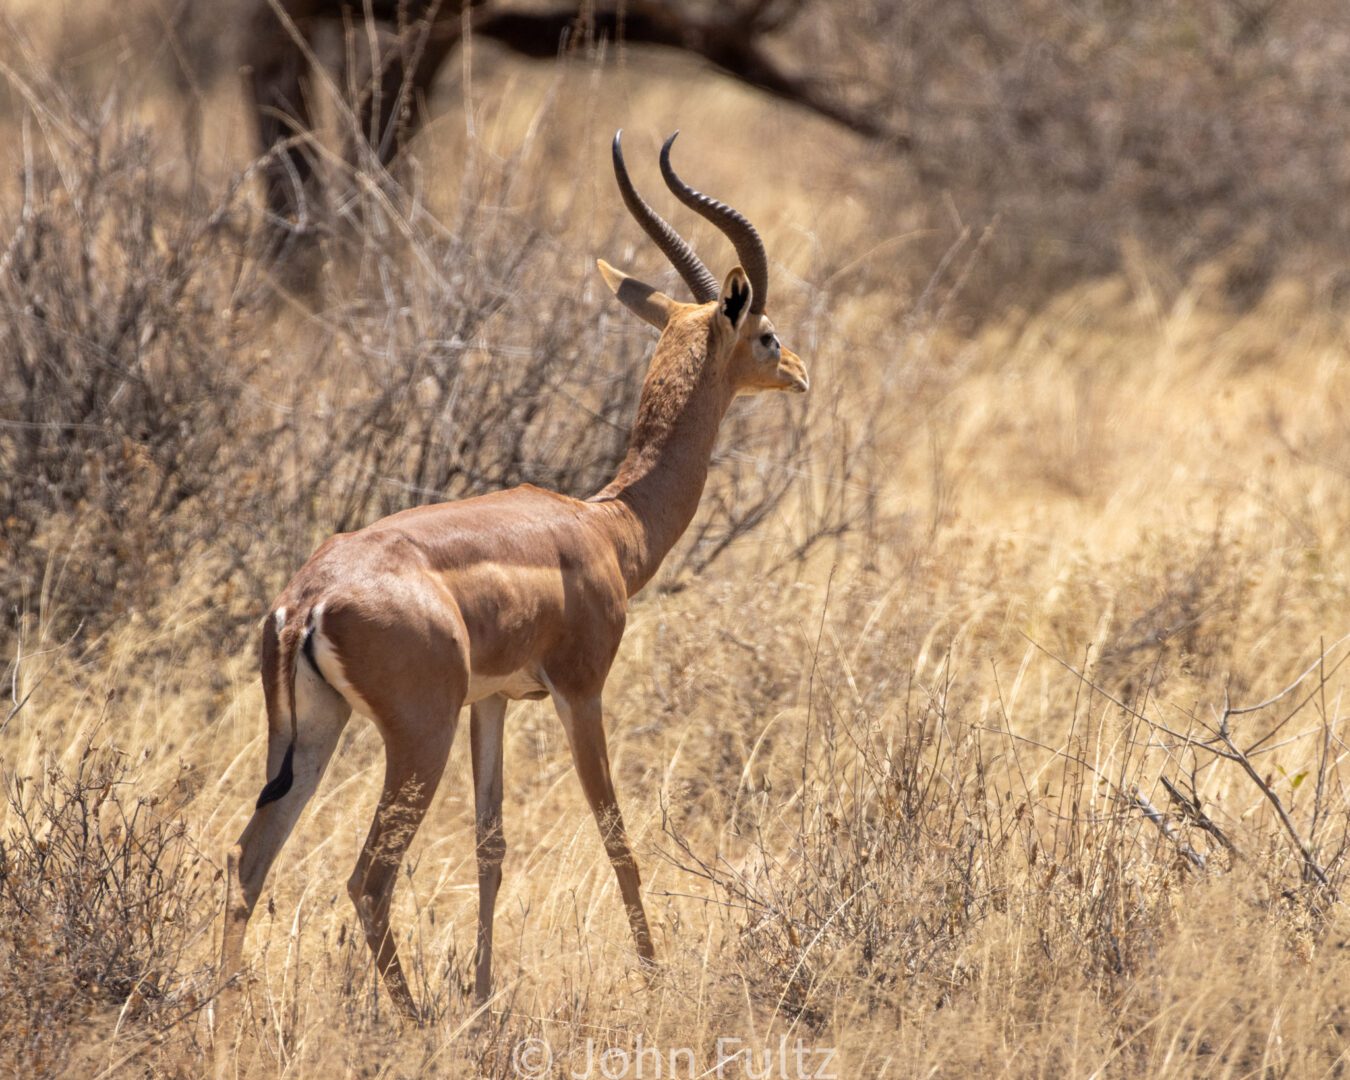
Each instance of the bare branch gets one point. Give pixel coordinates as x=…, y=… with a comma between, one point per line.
x=1167, y=829
x=1190, y=808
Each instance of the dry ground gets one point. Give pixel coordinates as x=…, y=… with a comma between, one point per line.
x=888, y=786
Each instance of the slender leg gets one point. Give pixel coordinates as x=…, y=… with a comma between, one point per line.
x=323, y=715
x=486, y=721
x=584, y=723
x=415, y=756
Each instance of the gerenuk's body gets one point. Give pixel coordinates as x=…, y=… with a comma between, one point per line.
x=518, y=594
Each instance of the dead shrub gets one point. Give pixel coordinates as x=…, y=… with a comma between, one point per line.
x=99, y=894
x=865, y=852
x=117, y=410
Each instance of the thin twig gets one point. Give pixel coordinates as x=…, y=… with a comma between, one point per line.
x=1167, y=829
x=1190, y=808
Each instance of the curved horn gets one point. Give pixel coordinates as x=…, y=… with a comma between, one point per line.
x=736, y=226
x=680, y=254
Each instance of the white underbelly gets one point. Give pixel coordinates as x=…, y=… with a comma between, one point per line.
x=516, y=686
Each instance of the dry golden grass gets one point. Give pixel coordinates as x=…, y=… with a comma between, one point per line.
x=884, y=793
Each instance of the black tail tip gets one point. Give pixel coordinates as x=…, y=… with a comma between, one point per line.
x=281, y=783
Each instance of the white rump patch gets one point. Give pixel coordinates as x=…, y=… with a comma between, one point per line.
x=331, y=667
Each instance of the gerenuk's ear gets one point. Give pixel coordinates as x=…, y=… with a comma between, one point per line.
x=642, y=300
x=734, y=302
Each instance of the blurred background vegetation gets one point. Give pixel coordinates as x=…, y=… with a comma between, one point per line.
x=929, y=731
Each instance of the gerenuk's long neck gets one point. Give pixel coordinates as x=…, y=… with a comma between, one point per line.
x=656, y=492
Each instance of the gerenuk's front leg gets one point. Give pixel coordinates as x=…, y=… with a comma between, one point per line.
x=486, y=722
x=583, y=720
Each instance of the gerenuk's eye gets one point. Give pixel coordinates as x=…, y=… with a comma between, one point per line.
x=766, y=340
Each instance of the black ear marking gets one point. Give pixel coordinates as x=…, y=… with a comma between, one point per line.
x=735, y=301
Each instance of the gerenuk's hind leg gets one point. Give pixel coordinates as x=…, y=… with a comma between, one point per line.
x=416, y=748
x=323, y=713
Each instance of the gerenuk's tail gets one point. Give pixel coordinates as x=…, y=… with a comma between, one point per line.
x=282, y=638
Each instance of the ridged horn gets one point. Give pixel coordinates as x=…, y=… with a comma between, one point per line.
x=703, y=285
x=743, y=236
